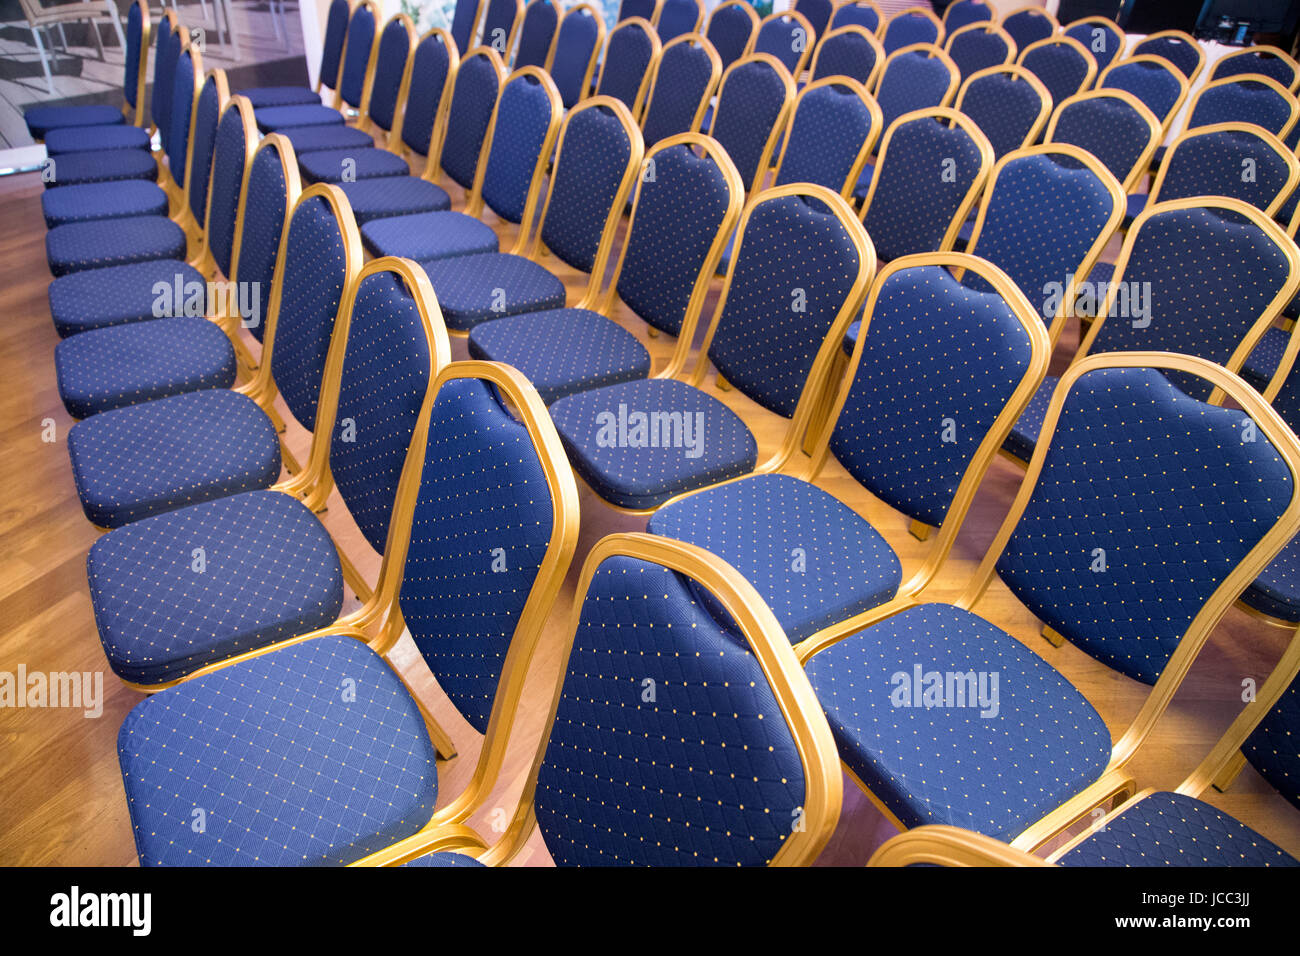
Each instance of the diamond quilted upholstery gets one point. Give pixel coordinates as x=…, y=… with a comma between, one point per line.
x=1211, y=164
x=1004, y=108
x=429, y=235
x=263, y=96
x=524, y=118
x=285, y=764
x=845, y=54
x=913, y=207
x=629, y=54
x=1060, y=66
x=474, y=94
x=536, y=31
x=393, y=196
x=97, y=298
x=993, y=765
x=73, y=169
x=827, y=134
x=705, y=774
x=1264, y=360
x=905, y=29
x=643, y=469
x=1120, y=558
x=1242, y=102
x=77, y=246
x=429, y=68
x=134, y=462
x=259, y=240
x=684, y=79
x=748, y=106
x=479, y=534
x=41, y=120
x=913, y=81
x=118, y=200
x=307, y=139
x=1180, y=53
x=390, y=67
x=341, y=165
x=85, y=139
x=1272, y=748
x=1154, y=85
x=227, y=180
x=574, y=43
x=476, y=288
x=976, y=50
x=274, y=119
x=269, y=572
x=1107, y=127
x=1170, y=829
x=206, y=118
x=129, y=364
x=1276, y=591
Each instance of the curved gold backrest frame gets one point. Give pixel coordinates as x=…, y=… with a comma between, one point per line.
x=853, y=29
x=438, y=134
x=782, y=118
x=1269, y=82
x=924, y=12
x=659, y=14
x=333, y=81
x=1254, y=52
x=1018, y=74
x=1148, y=59
x=293, y=188
x=1154, y=130
x=931, y=52
x=1267, y=141
x=1100, y=23
x=1061, y=39
x=877, y=126
x=587, y=10
x=1185, y=38
x=656, y=47
x=369, y=78
x=217, y=77
x=838, y=5
x=389, y=137
x=715, y=74
x=242, y=106
x=943, y=845
x=984, y=26
x=516, y=34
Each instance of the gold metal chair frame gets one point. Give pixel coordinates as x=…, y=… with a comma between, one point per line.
x=802, y=22
x=583, y=10
x=983, y=26
x=1185, y=38
x=1167, y=120
x=714, y=74
x=1113, y=221
x=1113, y=782
x=1242, y=79
x=873, y=77
x=1061, y=39
x=644, y=25
x=868, y=145
x=363, y=106
x=782, y=118
x=1019, y=74
x=1267, y=141
x=510, y=34
x=770, y=648
x=1254, y=52
x=924, y=12
x=951, y=118
x=1154, y=132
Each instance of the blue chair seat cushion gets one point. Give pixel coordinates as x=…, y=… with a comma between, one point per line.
x=76, y=246
x=921, y=739
x=814, y=560
x=1023, y=437
x=444, y=859
x=336, y=165
x=139, y=461
x=562, y=351
x=98, y=298
x=41, y=119
x=1171, y=829
x=73, y=169
x=305, y=139
x=288, y=765
x=264, y=96
x=1265, y=358
x=474, y=289
x=429, y=235
x=637, y=444
x=90, y=201
x=1276, y=591
x=84, y=139
x=270, y=573
x=271, y=119
x=393, y=196
x=129, y=364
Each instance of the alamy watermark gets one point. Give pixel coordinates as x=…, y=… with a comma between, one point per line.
x=1132, y=300
x=180, y=297
x=949, y=689
x=82, y=690
x=637, y=429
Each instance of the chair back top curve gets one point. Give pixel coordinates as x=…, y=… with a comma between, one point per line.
x=578, y=43
x=390, y=83
x=1100, y=36
x=360, y=51
x=685, y=78
x=1152, y=79
x=270, y=191
x=1244, y=99
x=916, y=77
x=754, y=101
x=135, y=61
x=732, y=27
x=832, y=131
x=167, y=49
x=236, y=139
x=431, y=78
x=1114, y=126
x=536, y=34
x=1063, y=65
x=850, y=51
x=517, y=146
x=208, y=106
x=1259, y=60
x=909, y=27
x=473, y=98
x=1028, y=25
x=788, y=36
x=979, y=46
x=1008, y=103
x=186, y=83
x=631, y=53
x=336, y=29
x=1238, y=160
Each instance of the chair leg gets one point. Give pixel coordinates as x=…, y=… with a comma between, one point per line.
x=45, y=60
x=116, y=20
x=1053, y=637
x=1231, y=770
x=99, y=43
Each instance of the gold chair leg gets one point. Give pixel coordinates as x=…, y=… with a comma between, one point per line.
x=1231, y=770
x=1053, y=637
x=919, y=530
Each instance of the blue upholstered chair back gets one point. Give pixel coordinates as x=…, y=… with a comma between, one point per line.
x=430, y=67
x=923, y=175
x=1044, y=213
x=464, y=24
x=1156, y=488
x=784, y=38
x=356, y=57
x=524, y=116
x=936, y=351
x=336, y=29
x=207, y=113
x=479, y=533
x=315, y=274
x=1259, y=63
x=386, y=367
x=498, y=22
x=1004, y=106
x=390, y=67
x=131, y=63
x=182, y=107
x=830, y=126
x=541, y=18
x=1213, y=162
x=1028, y=26
x=264, y=212
x=905, y=29
x=629, y=56
x=962, y=13
x=167, y=48
x=1106, y=126
x=1063, y=69
x=683, y=80
x=645, y=9
x=914, y=80
x=1156, y=84
x=234, y=140
x=610, y=788
x=1271, y=748
x=1243, y=101
x=677, y=17
x=1211, y=275
x=817, y=13
x=1104, y=41
x=472, y=99
x=729, y=30
x=978, y=49
x=855, y=14
x=749, y=105
x=676, y=219
x=1179, y=52
x=845, y=54
x=579, y=32
x=792, y=273
x=594, y=157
